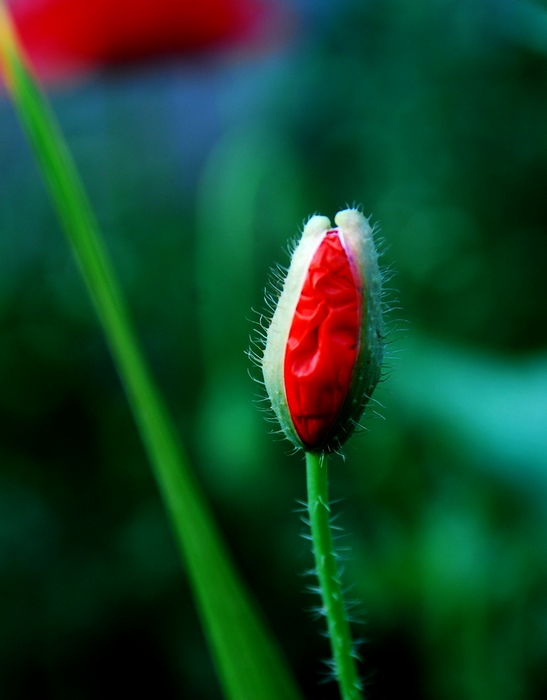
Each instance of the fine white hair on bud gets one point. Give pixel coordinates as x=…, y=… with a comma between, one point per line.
x=325, y=343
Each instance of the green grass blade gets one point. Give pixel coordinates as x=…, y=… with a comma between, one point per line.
x=248, y=662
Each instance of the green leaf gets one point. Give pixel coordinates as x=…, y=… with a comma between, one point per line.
x=248, y=661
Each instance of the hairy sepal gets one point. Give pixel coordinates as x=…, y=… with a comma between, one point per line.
x=280, y=326
x=357, y=233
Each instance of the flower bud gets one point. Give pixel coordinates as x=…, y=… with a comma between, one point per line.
x=324, y=346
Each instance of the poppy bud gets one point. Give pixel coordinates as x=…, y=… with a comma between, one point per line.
x=324, y=346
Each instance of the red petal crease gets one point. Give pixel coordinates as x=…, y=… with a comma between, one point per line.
x=323, y=342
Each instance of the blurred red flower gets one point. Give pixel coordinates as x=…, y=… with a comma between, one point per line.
x=66, y=37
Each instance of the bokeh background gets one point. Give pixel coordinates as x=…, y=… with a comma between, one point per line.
x=203, y=156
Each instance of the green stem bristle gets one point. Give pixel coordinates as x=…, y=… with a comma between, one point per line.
x=328, y=574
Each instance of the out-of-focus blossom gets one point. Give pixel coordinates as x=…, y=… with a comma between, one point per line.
x=67, y=37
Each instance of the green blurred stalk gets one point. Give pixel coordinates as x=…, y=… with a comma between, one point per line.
x=248, y=662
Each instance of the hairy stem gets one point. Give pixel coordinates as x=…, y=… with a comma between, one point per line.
x=329, y=579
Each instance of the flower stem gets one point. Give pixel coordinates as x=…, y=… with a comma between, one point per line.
x=329, y=579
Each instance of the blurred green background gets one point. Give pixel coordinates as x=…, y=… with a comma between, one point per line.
x=430, y=114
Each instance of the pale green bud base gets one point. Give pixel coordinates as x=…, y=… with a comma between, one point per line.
x=330, y=585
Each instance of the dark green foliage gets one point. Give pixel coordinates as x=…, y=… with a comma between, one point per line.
x=432, y=115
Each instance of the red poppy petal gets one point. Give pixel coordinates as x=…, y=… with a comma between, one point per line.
x=323, y=342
